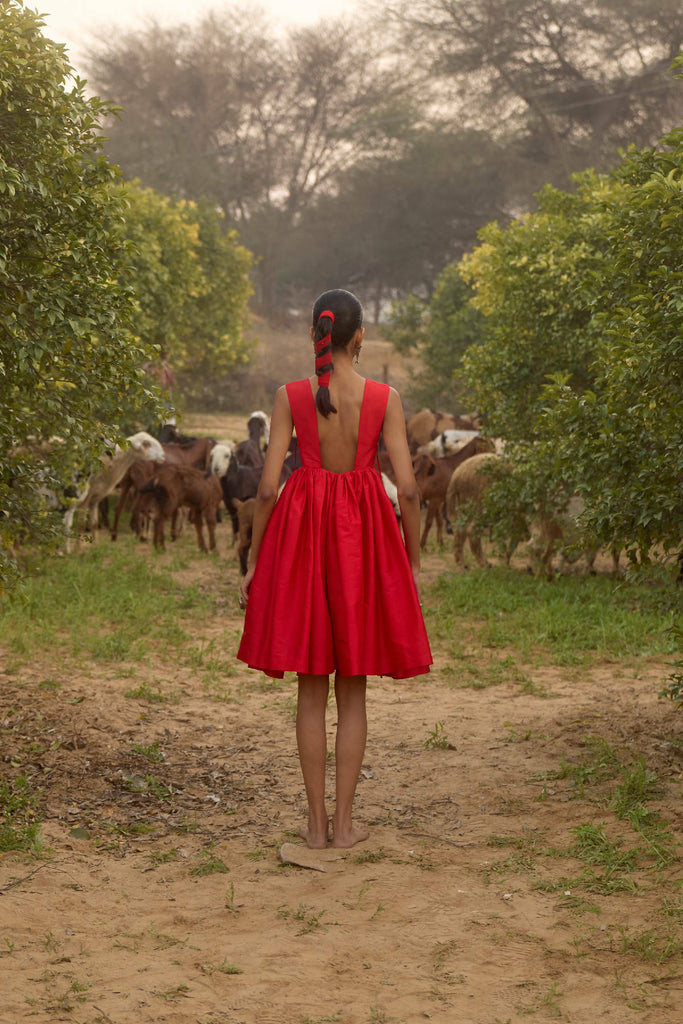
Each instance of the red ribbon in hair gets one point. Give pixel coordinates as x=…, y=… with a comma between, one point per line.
x=323, y=350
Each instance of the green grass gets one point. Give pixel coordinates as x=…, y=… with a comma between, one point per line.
x=19, y=819
x=98, y=603
x=209, y=864
x=572, y=620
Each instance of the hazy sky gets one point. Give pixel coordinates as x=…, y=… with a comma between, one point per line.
x=73, y=21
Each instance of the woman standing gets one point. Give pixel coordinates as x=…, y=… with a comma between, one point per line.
x=331, y=584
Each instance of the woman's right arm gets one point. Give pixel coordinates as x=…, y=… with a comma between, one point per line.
x=396, y=442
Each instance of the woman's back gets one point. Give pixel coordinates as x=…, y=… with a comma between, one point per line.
x=338, y=433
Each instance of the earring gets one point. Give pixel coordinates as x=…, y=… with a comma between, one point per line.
x=357, y=359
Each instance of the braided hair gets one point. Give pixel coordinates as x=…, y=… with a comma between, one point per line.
x=337, y=315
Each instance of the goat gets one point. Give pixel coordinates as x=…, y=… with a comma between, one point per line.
x=245, y=518
x=241, y=482
x=195, y=453
x=432, y=477
x=392, y=493
x=258, y=426
x=469, y=481
x=137, y=476
x=423, y=426
x=142, y=446
x=173, y=486
x=448, y=442
x=249, y=452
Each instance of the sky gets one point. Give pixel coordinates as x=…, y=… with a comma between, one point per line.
x=74, y=22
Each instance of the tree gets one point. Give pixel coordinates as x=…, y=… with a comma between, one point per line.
x=581, y=362
x=441, y=332
x=537, y=282
x=391, y=225
x=191, y=282
x=68, y=359
x=258, y=123
x=623, y=438
x=577, y=79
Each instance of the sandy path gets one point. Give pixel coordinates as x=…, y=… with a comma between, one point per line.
x=426, y=921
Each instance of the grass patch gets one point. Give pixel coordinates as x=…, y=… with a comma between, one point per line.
x=574, y=620
x=66, y=601
x=19, y=821
x=479, y=671
x=209, y=864
x=305, y=916
x=145, y=692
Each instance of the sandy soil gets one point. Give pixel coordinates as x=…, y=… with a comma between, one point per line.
x=431, y=919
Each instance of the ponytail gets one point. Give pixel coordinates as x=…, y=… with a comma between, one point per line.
x=323, y=361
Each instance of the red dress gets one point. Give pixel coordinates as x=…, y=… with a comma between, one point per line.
x=333, y=588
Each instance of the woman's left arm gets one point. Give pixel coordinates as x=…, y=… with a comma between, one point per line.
x=281, y=427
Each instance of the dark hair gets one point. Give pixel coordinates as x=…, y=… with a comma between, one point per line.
x=348, y=318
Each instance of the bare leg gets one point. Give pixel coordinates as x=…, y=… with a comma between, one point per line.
x=352, y=729
x=311, y=740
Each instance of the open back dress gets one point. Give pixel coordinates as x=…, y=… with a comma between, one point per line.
x=333, y=587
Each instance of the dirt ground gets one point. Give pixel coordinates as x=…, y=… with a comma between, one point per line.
x=165, y=899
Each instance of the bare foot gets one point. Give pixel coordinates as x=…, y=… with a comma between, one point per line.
x=315, y=840
x=342, y=840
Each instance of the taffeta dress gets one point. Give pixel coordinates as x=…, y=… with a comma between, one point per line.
x=333, y=588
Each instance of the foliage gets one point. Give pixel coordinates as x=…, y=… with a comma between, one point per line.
x=68, y=360
x=190, y=279
x=624, y=437
x=98, y=280
x=441, y=331
x=536, y=282
x=581, y=359
x=19, y=820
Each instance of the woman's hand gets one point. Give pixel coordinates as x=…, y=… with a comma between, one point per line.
x=416, y=581
x=244, y=587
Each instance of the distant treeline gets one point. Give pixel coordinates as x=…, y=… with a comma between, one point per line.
x=369, y=150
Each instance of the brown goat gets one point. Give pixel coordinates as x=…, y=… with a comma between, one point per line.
x=174, y=486
x=245, y=518
x=195, y=453
x=432, y=477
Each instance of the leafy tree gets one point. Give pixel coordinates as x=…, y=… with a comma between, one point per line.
x=624, y=437
x=191, y=282
x=581, y=364
x=391, y=224
x=537, y=282
x=68, y=360
x=441, y=332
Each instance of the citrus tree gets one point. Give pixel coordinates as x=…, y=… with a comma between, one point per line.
x=98, y=280
x=624, y=436
x=440, y=331
x=68, y=358
x=190, y=280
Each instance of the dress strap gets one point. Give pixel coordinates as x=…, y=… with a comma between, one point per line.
x=303, y=410
x=375, y=398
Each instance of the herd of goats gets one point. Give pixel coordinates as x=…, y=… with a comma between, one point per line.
x=174, y=477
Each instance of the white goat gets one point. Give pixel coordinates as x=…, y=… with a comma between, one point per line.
x=219, y=459
x=392, y=494
x=448, y=442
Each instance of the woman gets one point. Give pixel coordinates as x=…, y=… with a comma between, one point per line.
x=331, y=584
